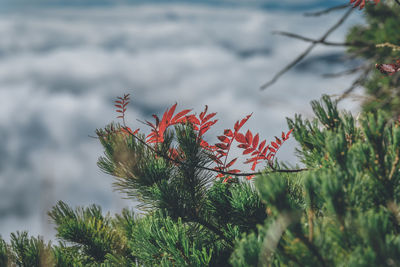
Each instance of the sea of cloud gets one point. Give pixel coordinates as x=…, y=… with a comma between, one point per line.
x=61, y=69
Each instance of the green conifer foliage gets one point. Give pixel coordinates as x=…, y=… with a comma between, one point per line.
x=344, y=210
x=382, y=26
x=192, y=219
x=3, y=253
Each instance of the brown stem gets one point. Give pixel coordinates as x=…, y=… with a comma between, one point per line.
x=310, y=224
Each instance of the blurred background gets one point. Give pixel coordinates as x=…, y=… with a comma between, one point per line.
x=63, y=63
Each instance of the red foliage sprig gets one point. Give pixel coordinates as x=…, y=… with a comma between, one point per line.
x=121, y=104
x=224, y=147
x=361, y=3
x=220, y=151
x=389, y=69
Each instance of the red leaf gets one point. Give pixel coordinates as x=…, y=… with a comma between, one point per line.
x=224, y=139
x=221, y=152
x=120, y=111
x=239, y=125
x=264, y=152
x=222, y=146
x=272, y=150
x=118, y=106
x=249, y=137
x=193, y=119
x=278, y=140
x=209, y=116
x=250, y=177
x=247, y=151
x=361, y=3
x=126, y=130
x=227, y=178
x=240, y=138
x=262, y=144
x=228, y=133
x=118, y=102
x=288, y=133
x=255, y=141
x=203, y=113
x=389, y=69
x=169, y=113
x=150, y=124
x=274, y=144
x=231, y=163
x=270, y=155
x=254, y=166
x=178, y=117
x=216, y=160
x=250, y=160
x=243, y=145
x=204, y=128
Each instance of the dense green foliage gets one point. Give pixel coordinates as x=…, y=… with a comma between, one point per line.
x=344, y=210
x=382, y=26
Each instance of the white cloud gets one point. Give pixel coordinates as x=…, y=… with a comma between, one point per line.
x=60, y=71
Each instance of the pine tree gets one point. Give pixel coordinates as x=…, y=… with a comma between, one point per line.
x=344, y=210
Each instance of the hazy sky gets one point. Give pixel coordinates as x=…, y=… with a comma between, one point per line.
x=62, y=67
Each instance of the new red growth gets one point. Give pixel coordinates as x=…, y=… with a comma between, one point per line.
x=201, y=124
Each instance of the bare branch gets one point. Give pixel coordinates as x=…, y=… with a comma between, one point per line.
x=308, y=50
x=355, y=84
x=325, y=11
x=342, y=73
x=297, y=36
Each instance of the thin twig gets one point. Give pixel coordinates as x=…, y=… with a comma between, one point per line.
x=354, y=85
x=325, y=11
x=206, y=168
x=297, y=36
x=342, y=73
x=308, y=50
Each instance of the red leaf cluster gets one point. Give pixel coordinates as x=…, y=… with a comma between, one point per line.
x=389, y=69
x=219, y=152
x=223, y=148
x=202, y=125
x=361, y=3
x=158, y=129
